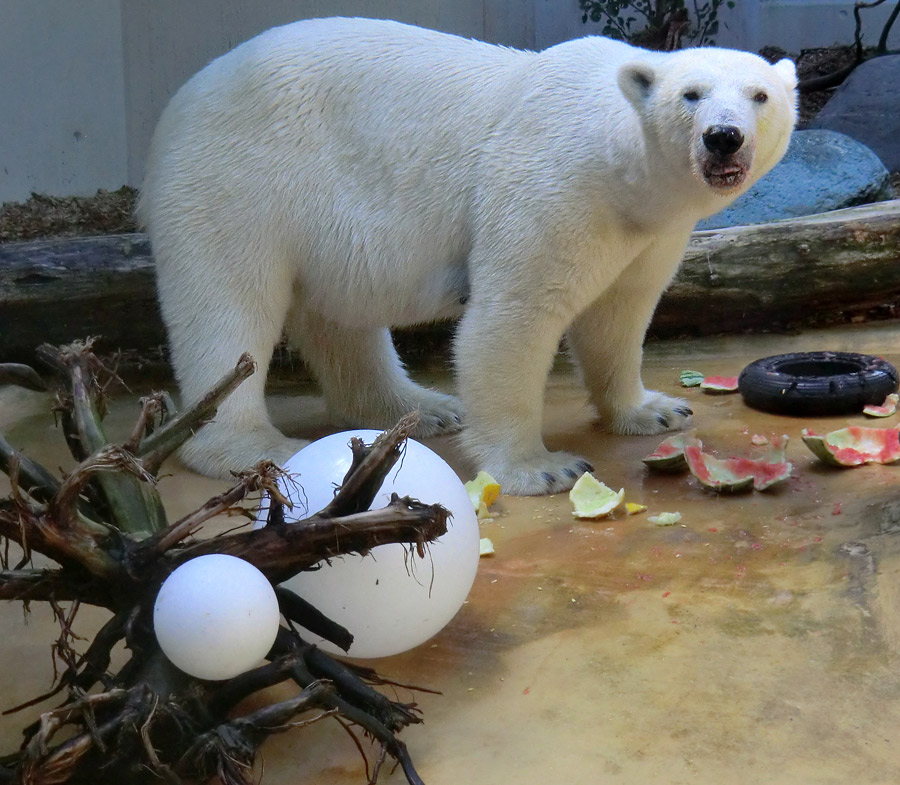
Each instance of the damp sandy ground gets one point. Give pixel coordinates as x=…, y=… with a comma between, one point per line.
x=757, y=642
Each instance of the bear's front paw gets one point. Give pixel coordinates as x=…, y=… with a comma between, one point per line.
x=658, y=413
x=549, y=472
x=438, y=414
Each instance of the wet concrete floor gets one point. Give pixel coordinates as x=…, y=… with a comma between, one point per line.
x=758, y=641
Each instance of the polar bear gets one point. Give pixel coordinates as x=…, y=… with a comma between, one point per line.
x=334, y=178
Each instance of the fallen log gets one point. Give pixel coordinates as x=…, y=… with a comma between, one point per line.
x=733, y=279
x=54, y=291
x=785, y=272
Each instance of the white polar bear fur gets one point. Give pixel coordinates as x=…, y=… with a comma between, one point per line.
x=338, y=177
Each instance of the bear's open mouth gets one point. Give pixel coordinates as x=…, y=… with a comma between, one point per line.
x=720, y=175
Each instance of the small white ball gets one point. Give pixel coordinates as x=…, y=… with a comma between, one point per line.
x=216, y=616
x=389, y=601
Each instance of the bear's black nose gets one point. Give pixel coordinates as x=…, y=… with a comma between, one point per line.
x=723, y=139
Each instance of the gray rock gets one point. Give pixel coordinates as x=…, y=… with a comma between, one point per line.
x=867, y=107
x=821, y=171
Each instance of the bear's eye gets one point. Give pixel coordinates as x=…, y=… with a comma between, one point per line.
x=761, y=97
x=692, y=95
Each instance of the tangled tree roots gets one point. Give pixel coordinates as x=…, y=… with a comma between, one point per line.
x=104, y=527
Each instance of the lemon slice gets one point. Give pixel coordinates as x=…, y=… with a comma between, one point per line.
x=483, y=491
x=592, y=499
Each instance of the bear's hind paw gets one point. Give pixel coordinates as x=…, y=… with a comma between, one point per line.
x=657, y=414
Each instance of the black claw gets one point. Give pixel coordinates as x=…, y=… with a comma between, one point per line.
x=441, y=424
x=584, y=466
x=457, y=419
x=570, y=473
x=684, y=411
x=662, y=420
x=549, y=479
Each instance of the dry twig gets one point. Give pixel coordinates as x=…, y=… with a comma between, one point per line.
x=104, y=525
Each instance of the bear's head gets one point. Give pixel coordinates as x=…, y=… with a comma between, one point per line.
x=723, y=114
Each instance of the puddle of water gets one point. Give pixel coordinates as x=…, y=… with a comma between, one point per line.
x=754, y=642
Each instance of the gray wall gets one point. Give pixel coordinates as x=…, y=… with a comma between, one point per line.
x=169, y=40
x=802, y=24
x=62, y=97
x=82, y=82
x=752, y=24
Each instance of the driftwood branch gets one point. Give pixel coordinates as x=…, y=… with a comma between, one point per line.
x=886, y=30
x=825, y=82
x=368, y=469
x=163, y=442
x=309, y=617
x=229, y=748
x=32, y=478
x=282, y=551
x=263, y=477
x=77, y=543
x=378, y=719
x=129, y=495
x=21, y=376
x=104, y=525
x=46, y=585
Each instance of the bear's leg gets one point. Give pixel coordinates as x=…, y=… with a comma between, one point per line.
x=503, y=355
x=363, y=380
x=607, y=340
x=211, y=321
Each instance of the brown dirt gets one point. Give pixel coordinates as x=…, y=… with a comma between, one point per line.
x=107, y=212
x=813, y=63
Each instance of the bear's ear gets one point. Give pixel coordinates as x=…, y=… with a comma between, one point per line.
x=636, y=81
x=788, y=72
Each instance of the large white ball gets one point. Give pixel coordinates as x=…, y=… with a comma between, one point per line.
x=389, y=601
x=216, y=616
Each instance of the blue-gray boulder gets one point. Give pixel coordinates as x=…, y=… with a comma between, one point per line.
x=821, y=171
x=867, y=107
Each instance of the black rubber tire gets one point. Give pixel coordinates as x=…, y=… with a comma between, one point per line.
x=817, y=383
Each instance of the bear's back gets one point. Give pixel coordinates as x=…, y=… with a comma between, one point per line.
x=364, y=69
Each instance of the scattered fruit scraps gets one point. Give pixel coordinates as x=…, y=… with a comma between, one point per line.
x=633, y=508
x=715, y=473
x=888, y=408
x=485, y=547
x=592, y=499
x=665, y=519
x=483, y=491
x=719, y=384
x=691, y=378
x=711, y=384
x=685, y=451
x=855, y=446
x=669, y=456
x=735, y=474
